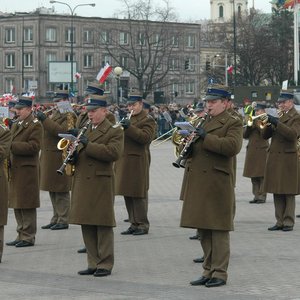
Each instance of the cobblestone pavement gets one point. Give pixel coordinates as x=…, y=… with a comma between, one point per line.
x=263, y=265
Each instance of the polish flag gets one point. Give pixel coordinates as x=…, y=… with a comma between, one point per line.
x=103, y=73
x=230, y=69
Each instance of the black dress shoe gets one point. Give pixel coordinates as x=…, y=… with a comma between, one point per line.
x=82, y=250
x=102, y=273
x=199, y=260
x=259, y=201
x=128, y=231
x=298, y=216
x=48, y=226
x=275, y=227
x=201, y=281
x=214, y=282
x=287, y=228
x=253, y=201
x=88, y=271
x=13, y=243
x=59, y=226
x=126, y=220
x=140, y=231
x=24, y=244
x=194, y=237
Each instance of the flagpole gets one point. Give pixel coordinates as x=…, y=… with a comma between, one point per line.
x=296, y=42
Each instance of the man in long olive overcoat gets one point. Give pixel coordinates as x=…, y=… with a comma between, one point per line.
x=92, y=198
x=5, y=141
x=24, y=192
x=282, y=172
x=208, y=199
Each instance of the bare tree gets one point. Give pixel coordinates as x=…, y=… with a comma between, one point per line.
x=147, y=43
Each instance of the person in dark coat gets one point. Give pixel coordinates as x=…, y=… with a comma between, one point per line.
x=24, y=192
x=5, y=142
x=210, y=166
x=132, y=170
x=256, y=156
x=282, y=171
x=57, y=185
x=92, y=197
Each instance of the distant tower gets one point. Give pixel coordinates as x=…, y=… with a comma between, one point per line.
x=222, y=10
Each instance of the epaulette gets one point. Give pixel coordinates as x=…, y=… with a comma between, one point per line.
x=35, y=120
x=235, y=117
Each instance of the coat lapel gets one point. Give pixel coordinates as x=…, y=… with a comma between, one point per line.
x=216, y=122
x=24, y=125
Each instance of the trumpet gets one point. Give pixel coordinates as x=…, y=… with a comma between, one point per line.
x=118, y=124
x=64, y=144
x=47, y=111
x=251, y=119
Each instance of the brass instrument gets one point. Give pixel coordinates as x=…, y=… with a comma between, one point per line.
x=181, y=160
x=118, y=124
x=71, y=150
x=263, y=122
x=251, y=119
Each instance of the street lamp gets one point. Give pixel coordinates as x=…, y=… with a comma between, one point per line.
x=118, y=72
x=72, y=10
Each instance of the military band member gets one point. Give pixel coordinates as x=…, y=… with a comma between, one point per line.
x=5, y=142
x=57, y=185
x=210, y=166
x=24, y=192
x=132, y=170
x=92, y=200
x=256, y=155
x=282, y=171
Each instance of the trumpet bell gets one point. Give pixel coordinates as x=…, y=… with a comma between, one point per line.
x=63, y=144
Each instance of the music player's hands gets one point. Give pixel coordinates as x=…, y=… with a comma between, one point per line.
x=125, y=123
x=41, y=116
x=83, y=140
x=200, y=131
x=273, y=120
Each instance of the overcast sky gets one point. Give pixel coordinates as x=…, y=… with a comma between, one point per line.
x=187, y=10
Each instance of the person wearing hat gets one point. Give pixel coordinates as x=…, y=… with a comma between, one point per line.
x=5, y=142
x=210, y=166
x=92, y=197
x=256, y=155
x=51, y=159
x=24, y=192
x=282, y=171
x=132, y=170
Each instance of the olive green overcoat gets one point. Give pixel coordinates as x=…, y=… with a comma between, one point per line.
x=92, y=197
x=132, y=170
x=256, y=152
x=282, y=168
x=51, y=157
x=5, y=142
x=24, y=189
x=208, y=199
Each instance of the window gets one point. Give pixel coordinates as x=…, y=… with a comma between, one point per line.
x=239, y=11
x=51, y=34
x=104, y=37
x=28, y=34
x=26, y=84
x=124, y=61
x=10, y=35
x=157, y=39
x=221, y=11
x=175, y=41
x=191, y=63
x=70, y=35
x=175, y=88
x=50, y=56
x=88, y=36
x=88, y=61
x=106, y=59
x=10, y=60
x=28, y=60
x=190, y=87
x=9, y=85
x=141, y=38
x=190, y=41
x=68, y=56
x=173, y=63
x=123, y=38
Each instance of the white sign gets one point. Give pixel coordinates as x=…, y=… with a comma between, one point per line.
x=60, y=71
x=33, y=84
x=4, y=112
x=64, y=107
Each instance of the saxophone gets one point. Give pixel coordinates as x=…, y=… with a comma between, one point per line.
x=71, y=120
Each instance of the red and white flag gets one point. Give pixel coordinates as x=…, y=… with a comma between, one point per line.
x=103, y=73
x=230, y=69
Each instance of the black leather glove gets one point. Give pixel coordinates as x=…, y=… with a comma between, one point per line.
x=83, y=140
x=73, y=131
x=125, y=123
x=273, y=120
x=10, y=122
x=41, y=116
x=200, y=131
